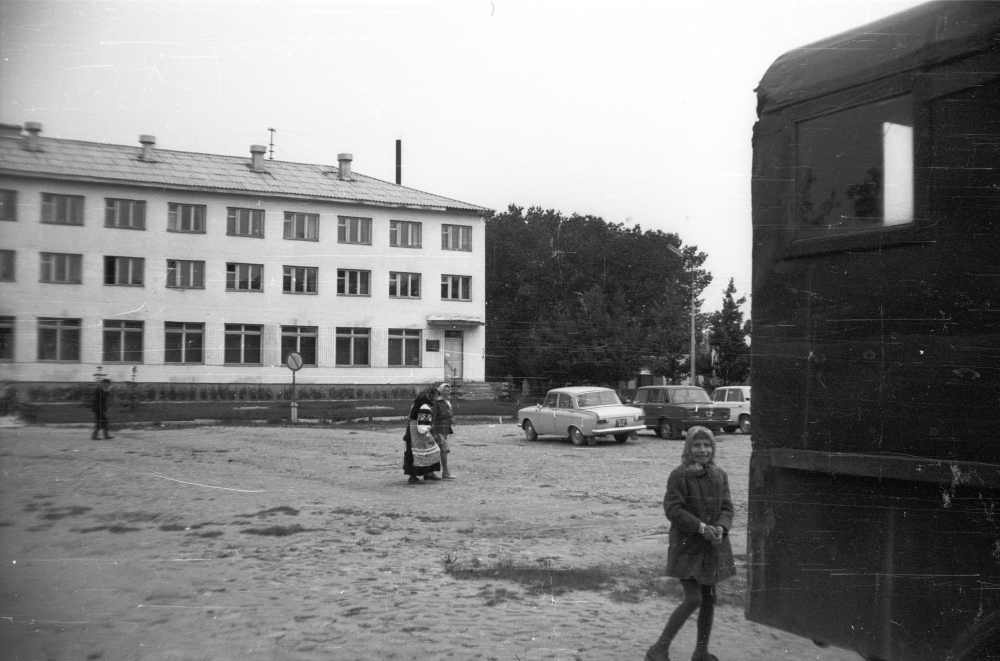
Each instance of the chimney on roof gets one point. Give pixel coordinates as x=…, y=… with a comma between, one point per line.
x=344, y=169
x=257, y=157
x=31, y=141
x=147, y=142
x=399, y=162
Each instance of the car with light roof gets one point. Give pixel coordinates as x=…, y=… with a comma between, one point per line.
x=737, y=400
x=583, y=414
x=671, y=410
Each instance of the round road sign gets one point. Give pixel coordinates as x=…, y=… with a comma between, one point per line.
x=294, y=361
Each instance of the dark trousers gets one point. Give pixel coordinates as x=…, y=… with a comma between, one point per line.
x=100, y=424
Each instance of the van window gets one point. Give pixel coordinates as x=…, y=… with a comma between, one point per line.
x=735, y=395
x=855, y=167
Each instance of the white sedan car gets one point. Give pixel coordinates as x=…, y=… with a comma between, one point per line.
x=737, y=400
x=583, y=414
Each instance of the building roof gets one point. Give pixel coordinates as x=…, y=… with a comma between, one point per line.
x=95, y=162
x=927, y=34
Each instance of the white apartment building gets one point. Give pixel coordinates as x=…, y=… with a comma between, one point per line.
x=154, y=265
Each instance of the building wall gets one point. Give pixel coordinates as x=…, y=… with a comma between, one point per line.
x=93, y=302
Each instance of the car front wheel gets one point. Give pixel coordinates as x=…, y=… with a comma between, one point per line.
x=576, y=436
x=745, y=423
x=666, y=430
x=530, y=434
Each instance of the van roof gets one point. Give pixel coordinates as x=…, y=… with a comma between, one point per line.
x=926, y=34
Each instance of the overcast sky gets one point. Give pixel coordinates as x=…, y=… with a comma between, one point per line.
x=637, y=112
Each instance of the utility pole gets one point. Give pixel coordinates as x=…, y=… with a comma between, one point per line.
x=694, y=352
x=692, y=355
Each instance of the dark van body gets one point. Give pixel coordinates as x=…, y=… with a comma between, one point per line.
x=874, y=514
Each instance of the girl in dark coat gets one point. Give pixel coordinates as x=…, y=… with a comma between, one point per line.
x=700, y=510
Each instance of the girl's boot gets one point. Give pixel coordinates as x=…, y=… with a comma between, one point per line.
x=658, y=652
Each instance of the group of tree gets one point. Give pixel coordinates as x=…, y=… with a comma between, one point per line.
x=575, y=299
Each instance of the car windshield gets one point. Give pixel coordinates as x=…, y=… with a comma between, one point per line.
x=598, y=398
x=690, y=396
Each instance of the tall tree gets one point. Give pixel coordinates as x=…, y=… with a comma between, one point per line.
x=577, y=299
x=729, y=335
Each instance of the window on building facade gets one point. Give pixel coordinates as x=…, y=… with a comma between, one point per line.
x=122, y=341
x=354, y=230
x=184, y=342
x=8, y=266
x=185, y=274
x=8, y=205
x=404, y=347
x=245, y=222
x=404, y=285
x=404, y=234
x=301, y=226
x=352, y=282
x=244, y=277
x=352, y=346
x=243, y=344
x=6, y=338
x=299, y=279
x=456, y=287
x=129, y=271
x=61, y=268
x=59, y=339
x=125, y=214
x=456, y=237
x=186, y=218
x=62, y=209
x=300, y=340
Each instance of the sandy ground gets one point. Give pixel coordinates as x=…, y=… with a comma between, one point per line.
x=280, y=543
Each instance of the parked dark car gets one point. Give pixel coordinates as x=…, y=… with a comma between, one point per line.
x=670, y=410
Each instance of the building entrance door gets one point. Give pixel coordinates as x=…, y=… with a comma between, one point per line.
x=453, y=353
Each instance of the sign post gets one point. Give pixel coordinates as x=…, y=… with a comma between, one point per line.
x=294, y=362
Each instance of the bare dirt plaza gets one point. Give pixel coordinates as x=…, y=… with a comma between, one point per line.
x=209, y=543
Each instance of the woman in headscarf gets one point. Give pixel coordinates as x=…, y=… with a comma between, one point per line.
x=422, y=457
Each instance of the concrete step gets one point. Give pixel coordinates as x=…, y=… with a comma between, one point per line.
x=474, y=391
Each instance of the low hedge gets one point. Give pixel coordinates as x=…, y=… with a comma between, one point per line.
x=248, y=411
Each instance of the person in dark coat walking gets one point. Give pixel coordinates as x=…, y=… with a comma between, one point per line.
x=443, y=416
x=99, y=405
x=700, y=509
